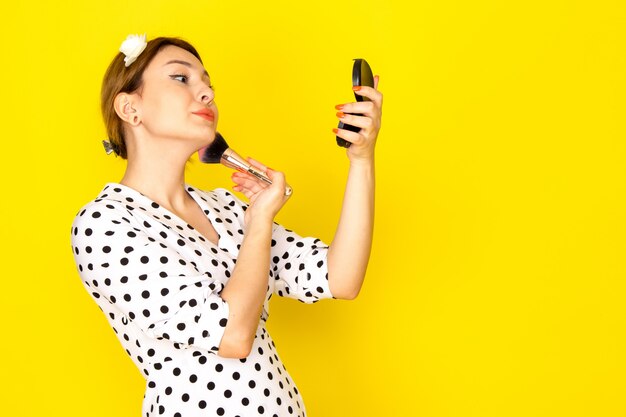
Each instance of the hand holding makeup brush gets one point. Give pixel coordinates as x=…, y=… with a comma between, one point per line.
x=266, y=200
x=219, y=152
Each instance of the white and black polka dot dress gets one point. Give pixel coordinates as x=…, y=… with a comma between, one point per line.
x=158, y=281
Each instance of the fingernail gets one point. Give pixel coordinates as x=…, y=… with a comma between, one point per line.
x=340, y=114
x=339, y=106
x=335, y=130
x=356, y=88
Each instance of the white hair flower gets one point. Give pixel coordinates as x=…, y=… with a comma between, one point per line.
x=132, y=47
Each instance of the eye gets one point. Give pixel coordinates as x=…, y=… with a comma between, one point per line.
x=180, y=77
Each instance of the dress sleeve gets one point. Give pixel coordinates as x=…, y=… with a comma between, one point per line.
x=147, y=281
x=299, y=266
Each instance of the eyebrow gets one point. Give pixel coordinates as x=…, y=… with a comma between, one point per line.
x=185, y=63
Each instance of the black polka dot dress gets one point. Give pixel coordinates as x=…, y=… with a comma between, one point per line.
x=158, y=282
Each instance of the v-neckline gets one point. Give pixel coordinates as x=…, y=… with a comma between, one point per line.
x=203, y=205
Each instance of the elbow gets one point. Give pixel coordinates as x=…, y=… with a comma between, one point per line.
x=239, y=351
x=349, y=295
x=345, y=285
x=345, y=293
x=233, y=347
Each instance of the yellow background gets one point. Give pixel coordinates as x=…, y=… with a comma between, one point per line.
x=497, y=281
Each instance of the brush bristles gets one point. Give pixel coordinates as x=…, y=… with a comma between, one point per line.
x=213, y=153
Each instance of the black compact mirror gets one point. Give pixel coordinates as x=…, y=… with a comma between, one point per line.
x=361, y=75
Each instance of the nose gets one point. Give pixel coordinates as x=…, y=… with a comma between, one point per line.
x=206, y=94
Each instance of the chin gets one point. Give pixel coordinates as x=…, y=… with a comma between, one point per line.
x=205, y=140
x=208, y=139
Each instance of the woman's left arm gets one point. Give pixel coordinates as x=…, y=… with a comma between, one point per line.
x=349, y=251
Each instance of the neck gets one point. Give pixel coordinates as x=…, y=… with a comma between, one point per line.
x=158, y=175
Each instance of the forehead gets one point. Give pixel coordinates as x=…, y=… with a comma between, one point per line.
x=174, y=53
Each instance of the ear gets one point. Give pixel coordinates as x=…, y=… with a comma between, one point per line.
x=126, y=106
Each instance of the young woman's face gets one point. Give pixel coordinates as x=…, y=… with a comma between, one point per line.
x=177, y=101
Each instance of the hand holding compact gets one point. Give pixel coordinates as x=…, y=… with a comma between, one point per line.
x=360, y=121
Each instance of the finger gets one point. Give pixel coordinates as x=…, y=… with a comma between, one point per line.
x=369, y=92
x=249, y=182
x=258, y=165
x=364, y=107
x=246, y=176
x=359, y=121
x=277, y=178
x=249, y=194
x=352, y=137
x=376, y=79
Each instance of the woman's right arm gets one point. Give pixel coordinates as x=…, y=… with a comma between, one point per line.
x=247, y=287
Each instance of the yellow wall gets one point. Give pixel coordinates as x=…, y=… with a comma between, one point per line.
x=497, y=282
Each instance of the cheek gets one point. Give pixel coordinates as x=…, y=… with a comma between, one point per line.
x=162, y=117
x=161, y=99
x=163, y=109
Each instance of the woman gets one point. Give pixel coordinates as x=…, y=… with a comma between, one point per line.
x=184, y=276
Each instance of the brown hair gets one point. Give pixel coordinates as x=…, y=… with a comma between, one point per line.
x=121, y=79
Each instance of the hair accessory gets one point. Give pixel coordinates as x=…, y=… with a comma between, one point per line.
x=132, y=47
x=109, y=147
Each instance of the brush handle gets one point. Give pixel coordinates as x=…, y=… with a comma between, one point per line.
x=232, y=160
x=263, y=177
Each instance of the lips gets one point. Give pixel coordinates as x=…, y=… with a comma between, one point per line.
x=205, y=114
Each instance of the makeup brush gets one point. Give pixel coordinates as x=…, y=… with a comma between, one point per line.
x=219, y=152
